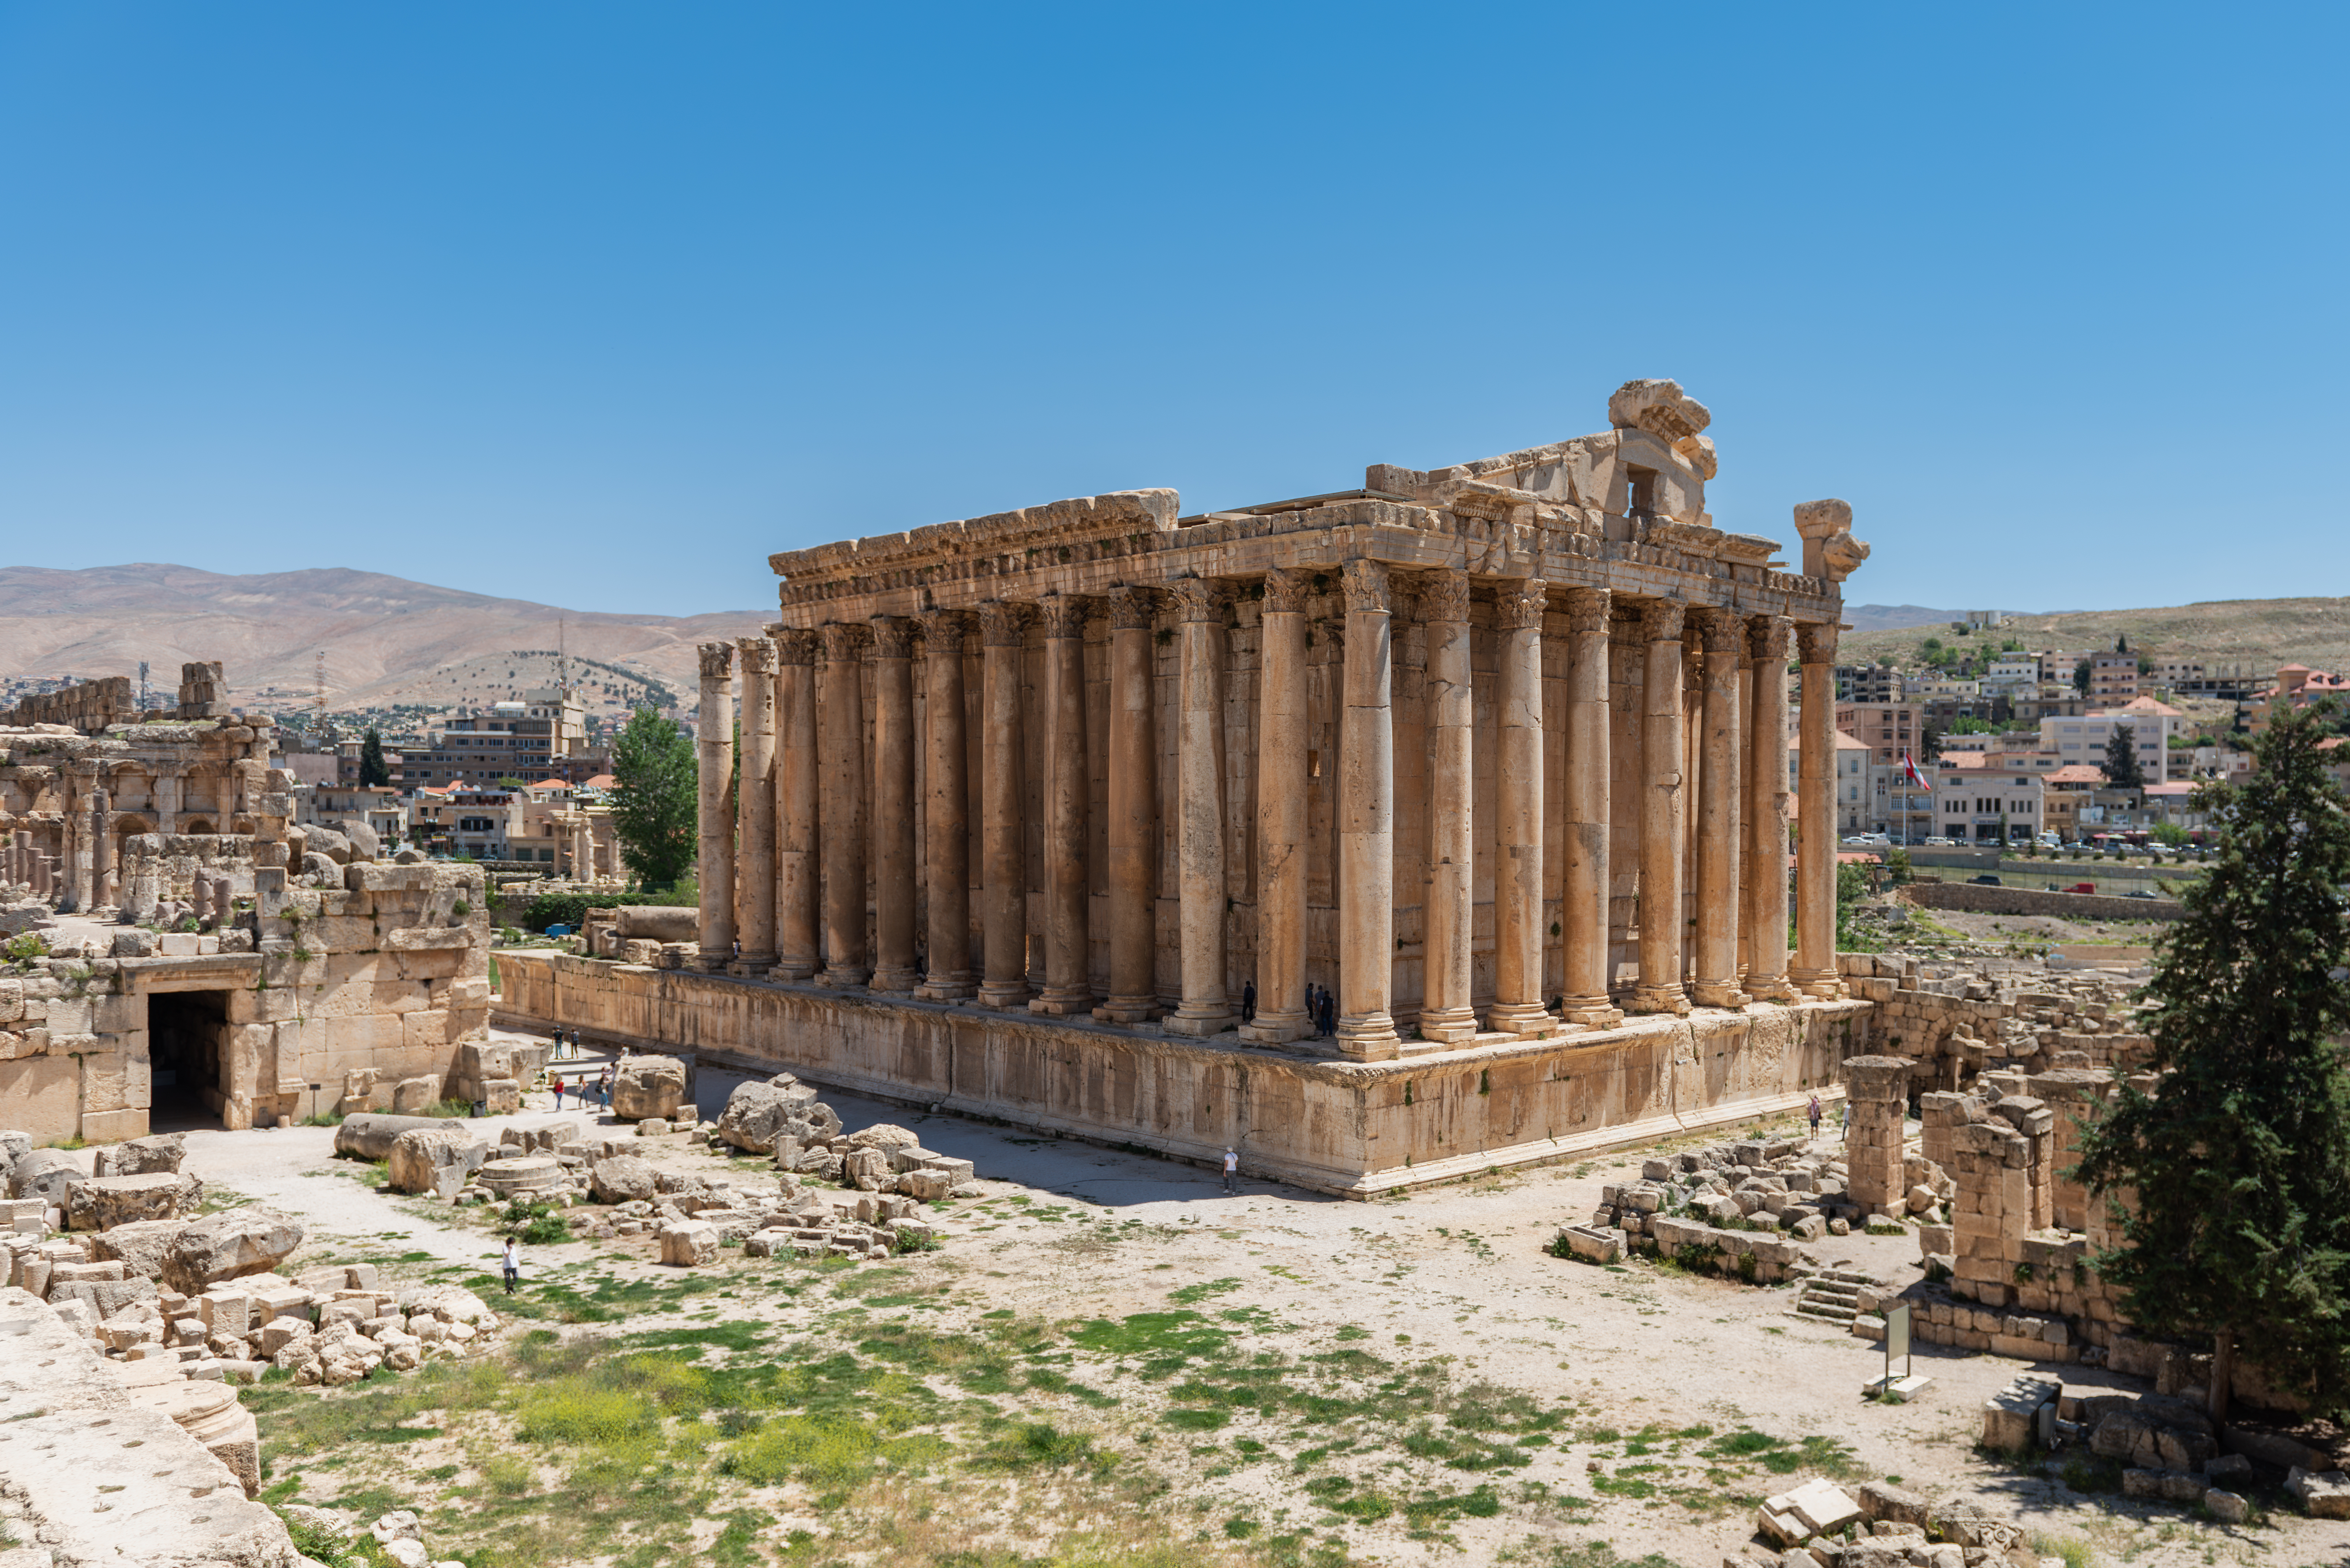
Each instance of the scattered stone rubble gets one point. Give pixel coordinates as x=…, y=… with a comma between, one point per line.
x=2169, y=1446
x=1953, y=1023
x=1740, y=1208
x=398, y=1536
x=690, y=1216
x=1820, y=1525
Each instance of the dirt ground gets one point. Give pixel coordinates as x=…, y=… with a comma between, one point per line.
x=1629, y=1383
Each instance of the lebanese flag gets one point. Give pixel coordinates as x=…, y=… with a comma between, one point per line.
x=1910, y=768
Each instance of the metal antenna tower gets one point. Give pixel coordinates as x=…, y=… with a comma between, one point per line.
x=318, y=699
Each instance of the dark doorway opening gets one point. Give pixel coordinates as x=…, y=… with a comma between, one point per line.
x=187, y=1056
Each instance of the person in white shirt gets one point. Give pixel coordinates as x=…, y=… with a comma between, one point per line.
x=1232, y=1169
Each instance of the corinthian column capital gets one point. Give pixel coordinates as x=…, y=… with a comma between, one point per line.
x=1817, y=639
x=1662, y=620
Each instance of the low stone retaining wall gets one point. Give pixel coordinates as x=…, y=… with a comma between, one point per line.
x=1981, y=899
x=1357, y=1129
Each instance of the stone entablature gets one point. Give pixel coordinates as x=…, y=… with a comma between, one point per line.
x=1495, y=751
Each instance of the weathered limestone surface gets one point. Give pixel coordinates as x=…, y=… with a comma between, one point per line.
x=1332, y=1125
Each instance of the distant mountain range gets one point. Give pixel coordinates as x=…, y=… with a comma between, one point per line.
x=1890, y=618
x=387, y=642
x=2254, y=636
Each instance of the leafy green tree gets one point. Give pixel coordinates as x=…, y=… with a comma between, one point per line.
x=2170, y=833
x=2081, y=678
x=2240, y=1161
x=655, y=812
x=2122, y=771
x=374, y=769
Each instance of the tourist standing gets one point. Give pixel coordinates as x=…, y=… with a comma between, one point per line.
x=1815, y=1116
x=1248, y=1000
x=1232, y=1169
x=558, y=1082
x=513, y=1262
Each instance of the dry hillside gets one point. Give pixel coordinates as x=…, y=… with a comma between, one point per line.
x=2259, y=634
x=387, y=640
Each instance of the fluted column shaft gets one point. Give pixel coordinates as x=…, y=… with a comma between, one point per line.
x=1814, y=972
x=1583, y=903
x=1717, y=813
x=715, y=824
x=798, y=874
x=946, y=805
x=1205, y=1008
x=754, y=881
x=1133, y=826
x=1518, y=609
x=1069, y=935
x=1662, y=809
x=894, y=805
x=1281, y=812
x=1367, y=823
x=843, y=810
x=1446, y=1014
x=1003, y=826
x=102, y=850
x=1766, y=814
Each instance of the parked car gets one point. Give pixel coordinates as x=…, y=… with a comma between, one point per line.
x=1941, y=842
x=1986, y=881
x=2081, y=887
x=2138, y=893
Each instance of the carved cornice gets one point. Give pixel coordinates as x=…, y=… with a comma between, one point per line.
x=1817, y=639
x=1443, y=597
x=893, y=636
x=717, y=661
x=1587, y=611
x=1662, y=620
x=1064, y=615
x=794, y=646
x=1002, y=623
x=1767, y=638
x=1132, y=608
x=1365, y=587
x=1519, y=604
x=758, y=656
x=1198, y=599
x=1286, y=591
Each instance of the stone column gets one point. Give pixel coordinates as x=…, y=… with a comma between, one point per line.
x=1662, y=809
x=946, y=805
x=1715, y=984
x=1281, y=812
x=894, y=805
x=1814, y=971
x=716, y=860
x=1068, y=936
x=1367, y=1030
x=842, y=809
x=1518, y=607
x=1003, y=830
x=1133, y=826
x=1200, y=811
x=1766, y=810
x=1584, y=900
x=1879, y=1087
x=1445, y=1014
x=798, y=872
x=101, y=851
x=755, y=883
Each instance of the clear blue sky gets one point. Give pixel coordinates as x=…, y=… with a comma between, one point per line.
x=597, y=305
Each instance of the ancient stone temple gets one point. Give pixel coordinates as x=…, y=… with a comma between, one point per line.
x=1496, y=754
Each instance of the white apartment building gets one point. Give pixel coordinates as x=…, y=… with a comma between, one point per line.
x=1988, y=805
x=2083, y=740
x=1852, y=784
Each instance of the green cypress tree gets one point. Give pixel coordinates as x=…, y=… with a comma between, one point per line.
x=655, y=798
x=2241, y=1158
x=374, y=770
x=2122, y=771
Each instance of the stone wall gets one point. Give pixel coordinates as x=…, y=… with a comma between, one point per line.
x=89, y=707
x=1979, y=900
x=1358, y=1129
x=388, y=974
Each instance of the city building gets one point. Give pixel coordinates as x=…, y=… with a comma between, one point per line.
x=543, y=735
x=1868, y=683
x=1985, y=805
x=1890, y=731
x=381, y=806
x=2084, y=738
x=2112, y=679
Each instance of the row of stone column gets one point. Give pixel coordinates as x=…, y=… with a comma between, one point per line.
x=794, y=778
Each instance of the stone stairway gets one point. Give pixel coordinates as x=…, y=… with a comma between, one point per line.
x=1832, y=1295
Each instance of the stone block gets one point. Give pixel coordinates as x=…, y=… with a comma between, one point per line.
x=688, y=1244
x=649, y=1086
